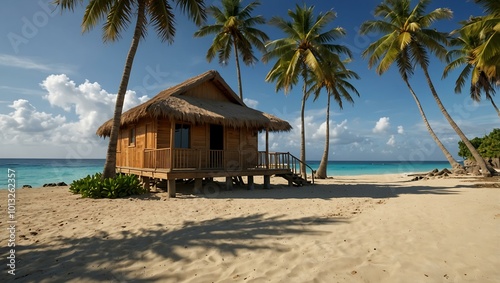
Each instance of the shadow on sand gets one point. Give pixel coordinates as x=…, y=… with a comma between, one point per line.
x=327, y=191
x=104, y=257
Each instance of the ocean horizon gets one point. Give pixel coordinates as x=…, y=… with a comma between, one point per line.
x=39, y=171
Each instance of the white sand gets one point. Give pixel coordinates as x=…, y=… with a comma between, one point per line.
x=348, y=229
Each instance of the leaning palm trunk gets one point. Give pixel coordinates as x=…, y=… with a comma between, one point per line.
x=110, y=165
x=321, y=173
x=486, y=171
x=238, y=74
x=495, y=106
x=456, y=167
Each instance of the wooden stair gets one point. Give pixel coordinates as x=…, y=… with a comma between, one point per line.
x=295, y=179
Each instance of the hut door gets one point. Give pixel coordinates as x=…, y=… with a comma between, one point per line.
x=216, y=146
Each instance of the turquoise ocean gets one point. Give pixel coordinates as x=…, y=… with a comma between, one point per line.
x=36, y=172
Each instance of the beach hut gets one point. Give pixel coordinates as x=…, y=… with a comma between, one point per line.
x=199, y=129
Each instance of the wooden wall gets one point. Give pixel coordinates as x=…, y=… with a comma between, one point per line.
x=151, y=134
x=207, y=90
x=132, y=155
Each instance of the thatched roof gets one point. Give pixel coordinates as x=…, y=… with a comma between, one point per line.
x=173, y=104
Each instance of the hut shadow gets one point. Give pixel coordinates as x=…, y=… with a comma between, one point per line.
x=333, y=191
x=118, y=257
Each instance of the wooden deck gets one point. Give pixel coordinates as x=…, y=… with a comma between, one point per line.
x=194, y=173
x=190, y=166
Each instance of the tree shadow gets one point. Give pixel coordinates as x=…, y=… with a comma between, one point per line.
x=332, y=191
x=108, y=257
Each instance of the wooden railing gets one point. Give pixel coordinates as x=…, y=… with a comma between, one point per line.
x=192, y=158
x=220, y=159
x=157, y=158
x=283, y=160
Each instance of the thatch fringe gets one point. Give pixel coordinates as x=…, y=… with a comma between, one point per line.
x=173, y=104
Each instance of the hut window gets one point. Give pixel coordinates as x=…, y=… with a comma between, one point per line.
x=131, y=137
x=182, y=135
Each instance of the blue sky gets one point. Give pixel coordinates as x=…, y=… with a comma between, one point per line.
x=58, y=85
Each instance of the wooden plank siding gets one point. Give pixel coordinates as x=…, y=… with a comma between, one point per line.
x=207, y=90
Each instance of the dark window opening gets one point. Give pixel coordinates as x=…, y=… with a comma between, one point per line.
x=182, y=135
x=131, y=137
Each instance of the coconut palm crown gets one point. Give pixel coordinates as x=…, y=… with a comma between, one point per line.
x=234, y=30
x=464, y=55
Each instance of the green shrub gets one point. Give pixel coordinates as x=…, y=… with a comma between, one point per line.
x=487, y=146
x=93, y=186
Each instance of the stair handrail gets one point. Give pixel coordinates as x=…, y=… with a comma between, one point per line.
x=307, y=165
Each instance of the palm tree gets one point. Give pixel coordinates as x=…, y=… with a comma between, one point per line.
x=464, y=55
x=336, y=85
x=487, y=29
x=118, y=15
x=305, y=49
x=234, y=29
x=405, y=37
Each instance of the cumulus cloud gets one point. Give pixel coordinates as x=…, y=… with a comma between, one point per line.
x=25, y=118
x=382, y=125
x=401, y=130
x=87, y=104
x=391, y=141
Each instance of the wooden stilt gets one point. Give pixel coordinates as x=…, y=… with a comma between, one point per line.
x=250, y=183
x=229, y=183
x=267, y=182
x=197, y=185
x=171, y=188
x=145, y=183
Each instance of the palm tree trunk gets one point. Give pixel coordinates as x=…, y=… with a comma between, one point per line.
x=321, y=173
x=240, y=88
x=303, y=130
x=456, y=167
x=495, y=106
x=110, y=165
x=480, y=161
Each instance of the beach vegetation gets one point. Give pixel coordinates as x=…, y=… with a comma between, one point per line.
x=488, y=146
x=234, y=30
x=94, y=186
x=117, y=16
x=306, y=48
x=407, y=39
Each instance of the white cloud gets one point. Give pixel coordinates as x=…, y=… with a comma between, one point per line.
x=30, y=64
x=251, y=103
x=391, y=141
x=88, y=102
x=401, y=130
x=26, y=119
x=382, y=125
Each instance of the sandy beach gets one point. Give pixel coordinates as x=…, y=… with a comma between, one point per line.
x=382, y=228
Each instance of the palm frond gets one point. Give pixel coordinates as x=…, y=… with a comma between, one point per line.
x=195, y=10
x=118, y=19
x=163, y=20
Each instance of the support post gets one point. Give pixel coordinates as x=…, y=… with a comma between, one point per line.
x=250, y=183
x=171, y=188
x=267, y=148
x=197, y=185
x=229, y=183
x=267, y=182
x=172, y=144
x=145, y=183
